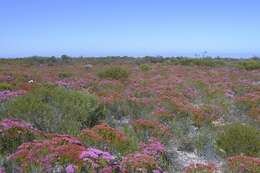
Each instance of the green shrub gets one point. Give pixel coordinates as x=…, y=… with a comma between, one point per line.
x=5, y=86
x=239, y=139
x=63, y=75
x=207, y=62
x=55, y=109
x=145, y=67
x=250, y=64
x=114, y=72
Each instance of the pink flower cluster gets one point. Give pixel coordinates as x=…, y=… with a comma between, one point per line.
x=243, y=164
x=155, y=147
x=2, y=170
x=71, y=168
x=92, y=153
x=14, y=123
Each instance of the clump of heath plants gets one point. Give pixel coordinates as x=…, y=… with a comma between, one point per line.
x=243, y=164
x=14, y=132
x=55, y=109
x=113, y=72
x=250, y=64
x=6, y=86
x=239, y=139
x=145, y=67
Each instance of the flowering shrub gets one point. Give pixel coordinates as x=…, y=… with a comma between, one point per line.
x=200, y=168
x=243, y=164
x=13, y=133
x=138, y=162
x=46, y=153
x=149, y=158
x=103, y=135
x=108, y=133
x=60, y=150
x=150, y=128
x=154, y=147
x=249, y=104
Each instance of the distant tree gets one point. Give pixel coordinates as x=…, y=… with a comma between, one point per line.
x=65, y=57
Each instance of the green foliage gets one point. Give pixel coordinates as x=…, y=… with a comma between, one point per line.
x=6, y=86
x=63, y=75
x=12, y=138
x=207, y=62
x=114, y=72
x=65, y=58
x=239, y=139
x=250, y=64
x=145, y=67
x=56, y=109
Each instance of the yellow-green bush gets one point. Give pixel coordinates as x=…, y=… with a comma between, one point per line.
x=239, y=139
x=6, y=86
x=55, y=109
x=114, y=72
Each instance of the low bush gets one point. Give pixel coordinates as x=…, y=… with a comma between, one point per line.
x=114, y=72
x=250, y=64
x=55, y=109
x=5, y=86
x=63, y=75
x=104, y=136
x=207, y=62
x=243, y=164
x=145, y=67
x=12, y=138
x=239, y=139
x=145, y=129
x=60, y=150
x=200, y=168
x=13, y=133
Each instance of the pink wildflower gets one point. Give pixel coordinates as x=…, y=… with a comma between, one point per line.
x=11, y=123
x=7, y=94
x=153, y=148
x=71, y=168
x=95, y=154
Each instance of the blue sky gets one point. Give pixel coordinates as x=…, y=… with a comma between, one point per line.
x=129, y=27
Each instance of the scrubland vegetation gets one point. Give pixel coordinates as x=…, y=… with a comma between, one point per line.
x=127, y=115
